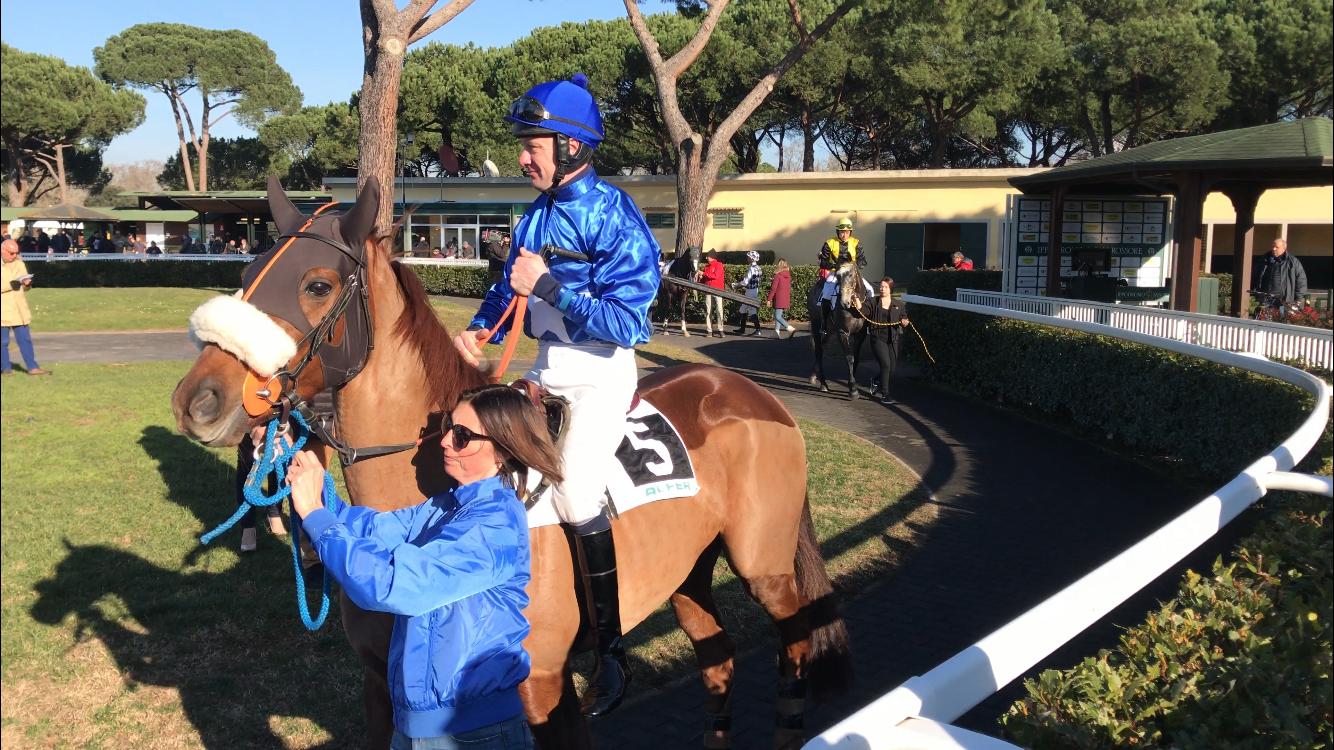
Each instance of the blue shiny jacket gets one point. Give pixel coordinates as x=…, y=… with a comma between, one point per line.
x=453, y=571
x=606, y=299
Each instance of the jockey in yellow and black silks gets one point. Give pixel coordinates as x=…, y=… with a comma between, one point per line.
x=841, y=248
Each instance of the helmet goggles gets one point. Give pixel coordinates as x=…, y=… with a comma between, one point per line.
x=530, y=111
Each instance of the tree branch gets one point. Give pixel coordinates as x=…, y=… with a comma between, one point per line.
x=664, y=80
x=795, y=11
x=685, y=56
x=765, y=85
x=424, y=26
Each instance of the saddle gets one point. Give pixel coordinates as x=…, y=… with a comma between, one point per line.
x=555, y=409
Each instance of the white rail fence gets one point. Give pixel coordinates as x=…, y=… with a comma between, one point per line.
x=917, y=713
x=1267, y=339
x=235, y=258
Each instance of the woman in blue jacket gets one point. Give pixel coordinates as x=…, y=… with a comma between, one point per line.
x=452, y=570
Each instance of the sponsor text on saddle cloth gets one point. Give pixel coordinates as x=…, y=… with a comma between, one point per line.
x=650, y=464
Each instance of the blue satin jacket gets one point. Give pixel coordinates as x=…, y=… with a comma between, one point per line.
x=606, y=299
x=453, y=572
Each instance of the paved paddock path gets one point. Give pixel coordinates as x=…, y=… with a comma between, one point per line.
x=1018, y=511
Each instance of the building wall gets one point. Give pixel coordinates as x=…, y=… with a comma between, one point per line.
x=792, y=214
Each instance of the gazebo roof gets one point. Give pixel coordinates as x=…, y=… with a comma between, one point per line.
x=1283, y=154
x=254, y=202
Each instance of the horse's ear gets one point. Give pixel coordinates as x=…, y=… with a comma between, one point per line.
x=285, y=215
x=357, y=223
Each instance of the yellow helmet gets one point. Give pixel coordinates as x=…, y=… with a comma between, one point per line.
x=844, y=223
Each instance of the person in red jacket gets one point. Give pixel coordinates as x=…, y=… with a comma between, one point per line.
x=780, y=296
x=962, y=262
x=713, y=275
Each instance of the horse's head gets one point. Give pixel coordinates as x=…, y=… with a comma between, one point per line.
x=299, y=324
x=849, y=285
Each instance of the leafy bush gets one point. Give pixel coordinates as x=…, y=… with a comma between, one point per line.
x=123, y=273
x=1241, y=659
x=453, y=281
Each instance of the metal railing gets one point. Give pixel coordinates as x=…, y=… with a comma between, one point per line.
x=917, y=713
x=1264, y=338
x=77, y=257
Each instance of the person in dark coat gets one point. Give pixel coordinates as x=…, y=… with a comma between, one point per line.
x=496, y=254
x=1282, y=274
x=887, y=320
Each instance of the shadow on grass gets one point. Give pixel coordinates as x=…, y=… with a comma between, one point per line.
x=226, y=640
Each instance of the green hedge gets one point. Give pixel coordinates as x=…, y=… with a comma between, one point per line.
x=453, y=281
x=1239, y=659
x=126, y=273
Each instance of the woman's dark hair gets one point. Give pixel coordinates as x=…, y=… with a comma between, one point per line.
x=886, y=278
x=517, y=428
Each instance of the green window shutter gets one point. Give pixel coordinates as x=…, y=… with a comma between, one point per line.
x=903, y=250
x=728, y=220
x=660, y=220
x=973, y=241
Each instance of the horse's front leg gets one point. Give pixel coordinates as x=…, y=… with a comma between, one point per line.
x=551, y=707
x=848, y=355
x=817, y=370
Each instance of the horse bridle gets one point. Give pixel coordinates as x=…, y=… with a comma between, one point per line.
x=322, y=418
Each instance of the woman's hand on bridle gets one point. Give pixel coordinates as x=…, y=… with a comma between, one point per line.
x=306, y=477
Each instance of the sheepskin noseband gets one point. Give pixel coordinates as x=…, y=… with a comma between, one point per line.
x=242, y=330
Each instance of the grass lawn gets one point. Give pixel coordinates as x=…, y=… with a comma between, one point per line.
x=121, y=630
x=114, y=309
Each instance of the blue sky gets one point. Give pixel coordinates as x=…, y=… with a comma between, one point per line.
x=318, y=43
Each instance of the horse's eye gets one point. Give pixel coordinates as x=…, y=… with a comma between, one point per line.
x=319, y=288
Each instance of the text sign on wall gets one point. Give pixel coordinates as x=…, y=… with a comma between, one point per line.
x=1124, y=237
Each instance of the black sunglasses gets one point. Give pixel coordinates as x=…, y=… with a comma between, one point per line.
x=461, y=436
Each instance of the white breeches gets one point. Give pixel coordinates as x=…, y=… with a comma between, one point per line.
x=599, y=381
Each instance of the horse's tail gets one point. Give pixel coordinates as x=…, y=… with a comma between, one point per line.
x=829, y=668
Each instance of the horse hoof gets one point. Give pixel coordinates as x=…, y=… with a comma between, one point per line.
x=854, y=394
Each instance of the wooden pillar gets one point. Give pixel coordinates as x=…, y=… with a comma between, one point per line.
x=1054, y=241
x=1186, y=235
x=1243, y=200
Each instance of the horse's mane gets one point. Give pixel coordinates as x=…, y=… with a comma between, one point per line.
x=447, y=374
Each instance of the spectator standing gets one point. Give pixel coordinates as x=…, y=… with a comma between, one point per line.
x=1282, y=274
x=961, y=262
x=14, y=313
x=244, y=246
x=27, y=242
x=887, y=320
x=420, y=248
x=138, y=245
x=153, y=249
x=467, y=251
x=780, y=297
x=60, y=243
x=713, y=275
x=750, y=285
x=43, y=242
x=496, y=255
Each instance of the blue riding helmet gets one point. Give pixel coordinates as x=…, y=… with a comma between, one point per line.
x=559, y=107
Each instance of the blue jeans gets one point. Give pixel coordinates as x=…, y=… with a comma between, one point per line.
x=24, y=337
x=780, y=322
x=511, y=734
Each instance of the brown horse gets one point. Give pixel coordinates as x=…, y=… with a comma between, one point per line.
x=747, y=450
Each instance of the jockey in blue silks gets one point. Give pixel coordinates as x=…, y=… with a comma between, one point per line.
x=587, y=317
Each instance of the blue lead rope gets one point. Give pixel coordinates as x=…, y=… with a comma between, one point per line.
x=268, y=464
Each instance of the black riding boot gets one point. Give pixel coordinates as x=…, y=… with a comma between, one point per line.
x=612, y=674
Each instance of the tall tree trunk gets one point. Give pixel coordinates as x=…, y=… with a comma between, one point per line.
x=378, y=140
x=16, y=180
x=386, y=33
x=180, y=136
x=808, y=138
x=60, y=173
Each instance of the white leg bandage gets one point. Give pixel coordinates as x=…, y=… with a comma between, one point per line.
x=242, y=330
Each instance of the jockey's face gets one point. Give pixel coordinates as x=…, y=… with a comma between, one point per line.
x=843, y=234
x=537, y=159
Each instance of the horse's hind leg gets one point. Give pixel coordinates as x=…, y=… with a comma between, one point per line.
x=780, y=598
x=714, y=650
